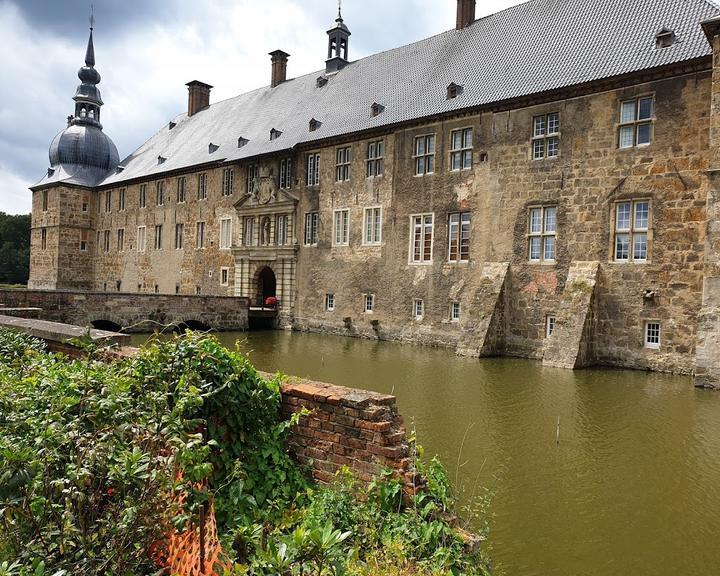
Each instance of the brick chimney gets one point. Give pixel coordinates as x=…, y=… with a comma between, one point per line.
x=465, y=13
x=279, y=67
x=198, y=96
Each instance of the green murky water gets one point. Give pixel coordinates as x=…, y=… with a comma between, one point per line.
x=632, y=488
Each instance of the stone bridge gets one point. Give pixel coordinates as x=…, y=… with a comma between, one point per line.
x=131, y=312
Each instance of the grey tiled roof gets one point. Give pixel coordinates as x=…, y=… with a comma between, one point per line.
x=531, y=48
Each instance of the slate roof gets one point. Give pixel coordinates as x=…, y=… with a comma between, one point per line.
x=531, y=48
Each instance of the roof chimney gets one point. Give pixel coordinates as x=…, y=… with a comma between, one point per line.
x=198, y=96
x=465, y=13
x=279, y=67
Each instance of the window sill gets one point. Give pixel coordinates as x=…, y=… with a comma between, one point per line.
x=420, y=263
x=542, y=262
x=630, y=262
x=373, y=245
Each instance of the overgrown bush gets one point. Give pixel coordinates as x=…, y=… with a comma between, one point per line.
x=93, y=455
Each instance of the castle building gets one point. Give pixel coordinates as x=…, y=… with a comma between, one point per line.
x=541, y=182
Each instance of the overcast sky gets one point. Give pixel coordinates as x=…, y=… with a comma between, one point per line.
x=147, y=50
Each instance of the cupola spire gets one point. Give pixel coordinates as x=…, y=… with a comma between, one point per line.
x=338, y=43
x=90, y=53
x=87, y=97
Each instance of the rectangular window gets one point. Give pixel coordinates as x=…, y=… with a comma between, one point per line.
x=461, y=149
x=202, y=187
x=43, y=239
x=281, y=230
x=285, y=182
x=121, y=199
x=253, y=173
x=225, y=233
x=200, y=235
x=418, y=309
x=421, y=233
x=372, y=226
x=249, y=231
x=121, y=240
x=636, y=122
x=313, y=170
x=330, y=302
x=455, y=311
x=311, y=228
x=341, y=228
x=85, y=203
x=224, y=276
x=179, y=234
x=108, y=201
x=369, y=303
x=376, y=159
x=652, y=335
x=106, y=241
x=143, y=195
x=141, y=238
x=424, y=155
x=160, y=193
x=549, y=326
x=632, y=221
x=459, y=237
x=83, y=240
x=343, y=158
x=542, y=232
x=181, y=196
x=158, y=237
x=228, y=182
x=546, y=136
x=44, y=200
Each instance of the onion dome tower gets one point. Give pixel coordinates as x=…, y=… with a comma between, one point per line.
x=82, y=152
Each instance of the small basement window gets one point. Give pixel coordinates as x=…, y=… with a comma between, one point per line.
x=652, y=335
x=665, y=38
x=549, y=326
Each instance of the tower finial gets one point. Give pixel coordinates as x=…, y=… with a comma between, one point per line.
x=92, y=16
x=90, y=54
x=340, y=11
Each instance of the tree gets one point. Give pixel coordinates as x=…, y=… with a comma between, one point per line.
x=14, y=248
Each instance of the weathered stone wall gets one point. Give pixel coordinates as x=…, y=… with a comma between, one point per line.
x=132, y=312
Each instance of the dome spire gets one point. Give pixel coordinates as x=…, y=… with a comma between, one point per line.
x=90, y=53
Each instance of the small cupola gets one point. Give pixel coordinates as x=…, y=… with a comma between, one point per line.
x=338, y=44
x=665, y=38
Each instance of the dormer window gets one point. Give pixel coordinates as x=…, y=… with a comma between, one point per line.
x=242, y=142
x=321, y=81
x=161, y=160
x=171, y=125
x=50, y=172
x=275, y=134
x=212, y=148
x=454, y=90
x=377, y=109
x=119, y=169
x=665, y=38
x=314, y=125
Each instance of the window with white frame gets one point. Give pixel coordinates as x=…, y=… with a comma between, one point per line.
x=160, y=193
x=228, y=182
x=542, y=231
x=311, y=228
x=424, y=155
x=455, y=311
x=179, y=236
x=652, y=335
x=202, y=187
x=341, y=227
x=461, y=149
x=108, y=201
x=141, y=238
x=143, y=195
x=200, y=235
x=281, y=230
x=372, y=226
x=368, y=303
x=421, y=234
x=158, y=237
x=121, y=240
x=546, y=136
x=285, y=182
x=313, y=170
x=549, y=325
x=636, y=122
x=418, y=309
x=249, y=231
x=225, y=233
x=181, y=195
x=224, y=276
x=376, y=159
x=459, y=237
x=632, y=221
x=330, y=302
x=343, y=159
x=253, y=173
x=121, y=199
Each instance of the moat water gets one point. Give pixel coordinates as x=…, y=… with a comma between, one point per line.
x=632, y=488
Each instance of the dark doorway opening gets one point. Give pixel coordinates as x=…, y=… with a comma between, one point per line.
x=266, y=286
x=107, y=325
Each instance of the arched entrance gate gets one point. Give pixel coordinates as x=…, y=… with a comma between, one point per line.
x=266, y=285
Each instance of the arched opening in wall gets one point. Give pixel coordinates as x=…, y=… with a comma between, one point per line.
x=107, y=325
x=266, y=286
x=194, y=325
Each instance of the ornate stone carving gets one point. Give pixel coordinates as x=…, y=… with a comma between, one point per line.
x=264, y=190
